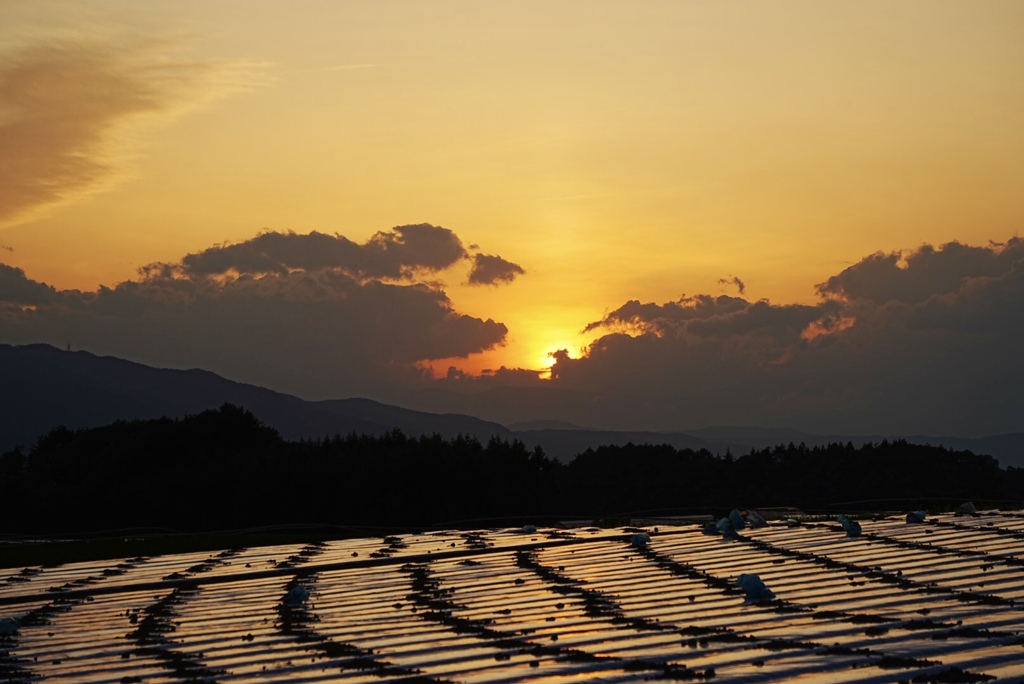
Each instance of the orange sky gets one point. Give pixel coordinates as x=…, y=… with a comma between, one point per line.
x=614, y=150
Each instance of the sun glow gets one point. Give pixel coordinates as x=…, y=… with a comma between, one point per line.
x=549, y=358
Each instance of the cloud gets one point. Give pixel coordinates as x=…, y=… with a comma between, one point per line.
x=16, y=288
x=660, y=319
x=926, y=341
x=490, y=270
x=922, y=342
x=920, y=274
x=315, y=315
x=402, y=253
x=399, y=253
x=734, y=280
x=67, y=105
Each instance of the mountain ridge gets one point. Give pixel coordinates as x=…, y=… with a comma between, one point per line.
x=42, y=387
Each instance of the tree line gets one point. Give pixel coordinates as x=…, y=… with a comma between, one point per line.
x=223, y=469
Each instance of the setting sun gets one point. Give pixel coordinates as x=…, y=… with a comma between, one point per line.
x=550, y=356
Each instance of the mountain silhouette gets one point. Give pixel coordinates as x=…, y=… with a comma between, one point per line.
x=42, y=387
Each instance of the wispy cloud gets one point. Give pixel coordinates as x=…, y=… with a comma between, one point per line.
x=72, y=109
x=734, y=280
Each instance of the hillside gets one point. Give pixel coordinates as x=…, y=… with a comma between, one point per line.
x=42, y=387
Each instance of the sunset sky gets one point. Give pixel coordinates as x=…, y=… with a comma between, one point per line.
x=601, y=152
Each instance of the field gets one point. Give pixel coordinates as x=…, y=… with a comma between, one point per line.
x=936, y=601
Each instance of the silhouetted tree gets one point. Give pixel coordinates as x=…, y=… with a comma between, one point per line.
x=224, y=469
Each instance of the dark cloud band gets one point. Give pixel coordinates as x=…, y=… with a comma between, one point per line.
x=315, y=314
x=926, y=341
x=399, y=253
